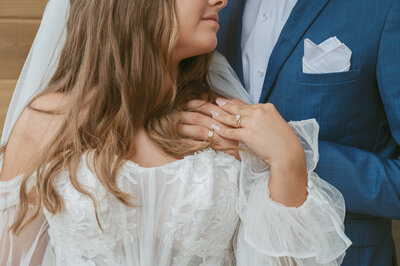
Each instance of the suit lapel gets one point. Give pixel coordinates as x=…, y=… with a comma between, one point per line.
x=301, y=18
x=229, y=37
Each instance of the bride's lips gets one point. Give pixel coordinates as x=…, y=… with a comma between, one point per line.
x=212, y=18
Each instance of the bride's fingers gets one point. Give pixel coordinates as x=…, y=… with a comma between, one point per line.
x=203, y=107
x=194, y=132
x=237, y=134
x=235, y=121
x=198, y=119
x=194, y=142
x=200, y=133
x=238, y=102
x=232, y=107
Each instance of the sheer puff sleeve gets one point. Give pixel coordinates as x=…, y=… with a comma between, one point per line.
x=29, y=246
x=273, y=234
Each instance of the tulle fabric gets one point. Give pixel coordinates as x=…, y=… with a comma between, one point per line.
x=206, y=209
x=29, y=247
x=273, y=234
x=41, y=62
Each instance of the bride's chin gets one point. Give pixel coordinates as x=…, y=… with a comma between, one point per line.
x=212, y=42
x=196, y=51
x=208, y=45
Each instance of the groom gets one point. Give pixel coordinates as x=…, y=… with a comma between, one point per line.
x=358, y=109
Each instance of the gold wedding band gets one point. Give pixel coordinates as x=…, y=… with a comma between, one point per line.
x=238, y=120
x=210, y=135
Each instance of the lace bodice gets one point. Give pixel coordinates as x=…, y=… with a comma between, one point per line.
x=183, y=217
x=206, y=209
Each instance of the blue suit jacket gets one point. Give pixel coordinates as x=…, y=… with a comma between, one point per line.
x=358, y=110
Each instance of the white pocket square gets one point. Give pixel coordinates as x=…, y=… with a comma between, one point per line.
x=330, y=56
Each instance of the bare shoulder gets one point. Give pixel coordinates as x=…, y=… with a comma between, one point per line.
x=40, y=118
x=36, y=127
x=50, y=102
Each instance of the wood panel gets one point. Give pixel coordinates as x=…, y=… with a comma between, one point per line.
x=19, y=22
x=6, y=91
x=22, y=8
x=16, y=37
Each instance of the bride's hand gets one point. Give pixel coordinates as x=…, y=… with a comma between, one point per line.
x=197, y=124
x=262, y=129
x=266, y=133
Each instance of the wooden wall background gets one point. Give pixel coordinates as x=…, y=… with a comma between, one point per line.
x=19, y=22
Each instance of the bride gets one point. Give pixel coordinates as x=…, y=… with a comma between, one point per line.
x=100, y=169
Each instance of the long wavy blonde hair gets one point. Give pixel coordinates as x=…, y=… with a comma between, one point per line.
x=117, y=56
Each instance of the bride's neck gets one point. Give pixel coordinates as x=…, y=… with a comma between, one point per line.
x=148, y=153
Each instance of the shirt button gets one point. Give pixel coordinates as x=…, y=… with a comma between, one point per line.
x=264, y=17
x=260, y=73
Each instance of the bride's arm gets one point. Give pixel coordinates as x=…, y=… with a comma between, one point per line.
x=289, y=216
x=270, y=137
x=28, y=247
x=31, y=133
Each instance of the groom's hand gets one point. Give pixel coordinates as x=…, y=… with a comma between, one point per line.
x=197, y=122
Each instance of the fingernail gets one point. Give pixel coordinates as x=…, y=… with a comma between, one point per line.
x=214, y=113
x=215, y=127
x=220, y=102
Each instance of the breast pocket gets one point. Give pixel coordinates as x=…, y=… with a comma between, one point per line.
x=329, y=78
x=333, y=95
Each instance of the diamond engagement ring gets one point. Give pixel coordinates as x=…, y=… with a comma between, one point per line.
x=239, y=120
x=210, y=135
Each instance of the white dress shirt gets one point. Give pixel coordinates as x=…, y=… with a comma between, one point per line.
x=263, y=21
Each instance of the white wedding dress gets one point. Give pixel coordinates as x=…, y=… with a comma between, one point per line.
x=206, y=209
